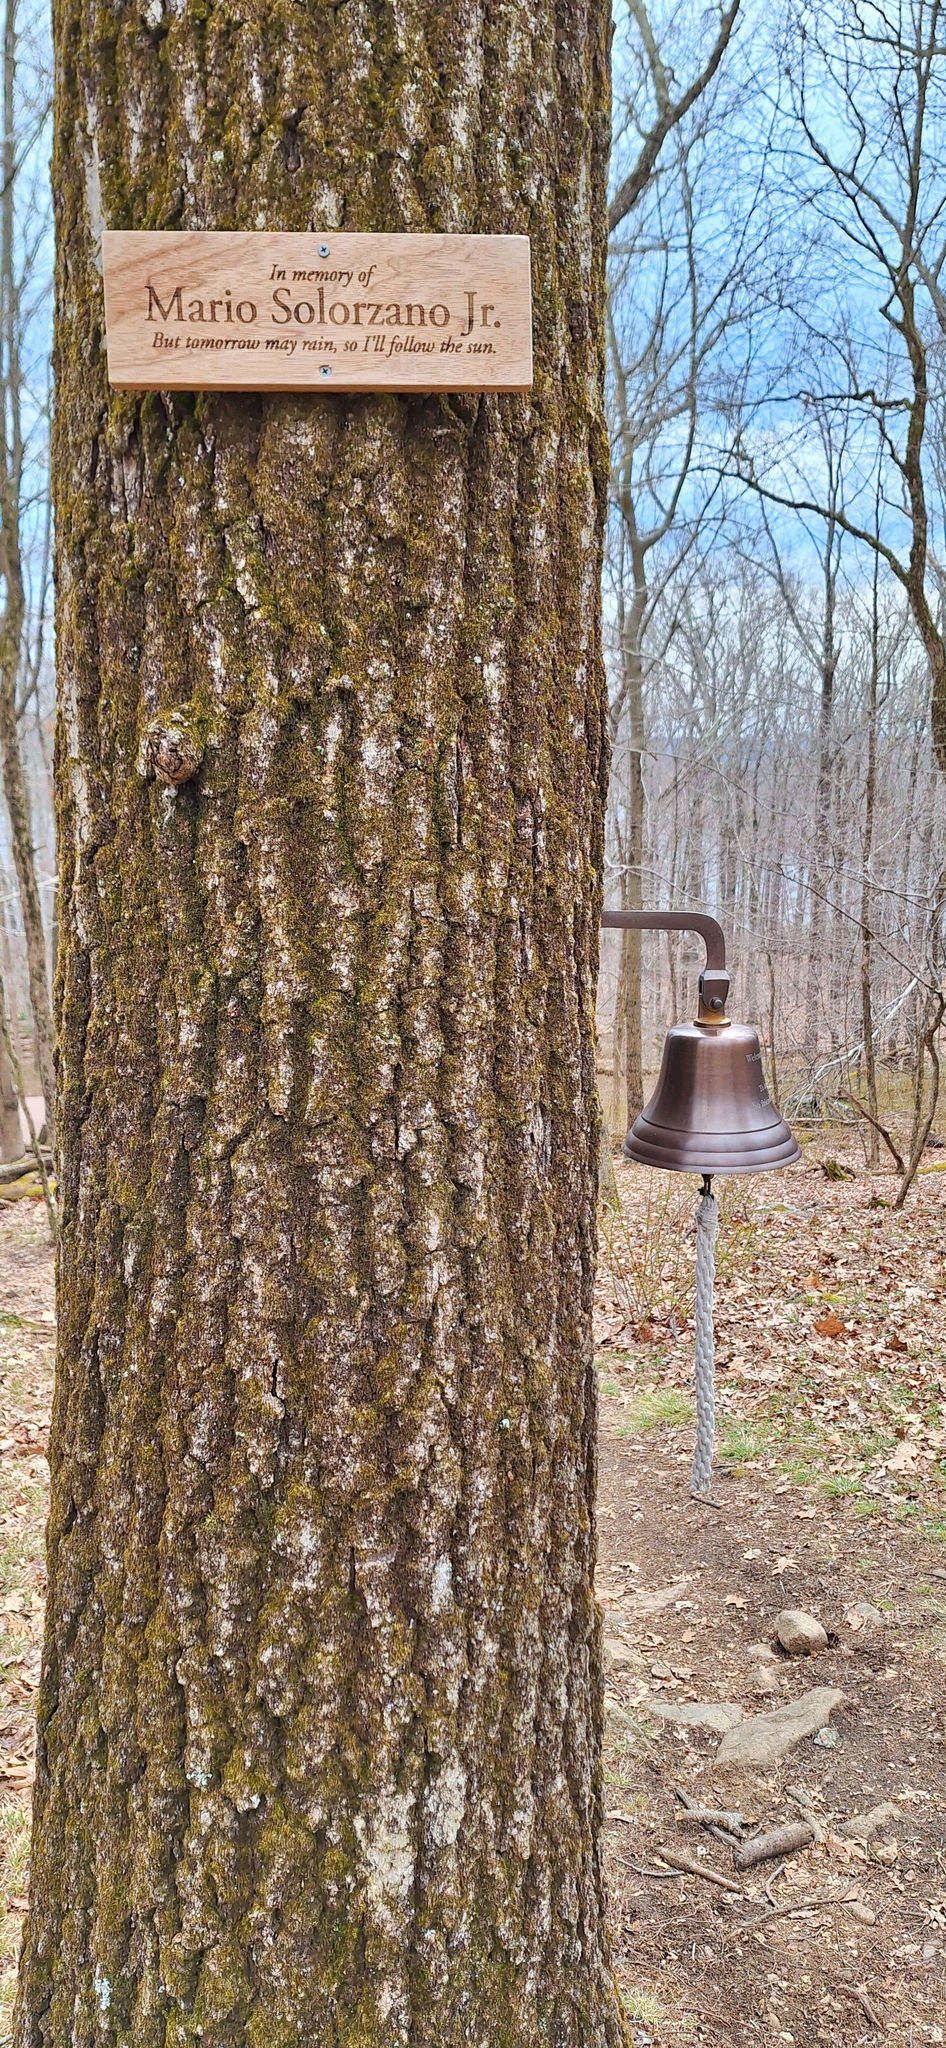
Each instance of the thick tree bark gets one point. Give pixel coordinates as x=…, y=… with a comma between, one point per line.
x=319, y=1723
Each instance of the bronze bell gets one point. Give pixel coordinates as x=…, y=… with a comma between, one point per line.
x=710, y=1111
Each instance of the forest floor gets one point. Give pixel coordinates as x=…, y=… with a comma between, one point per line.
x=830, y=1495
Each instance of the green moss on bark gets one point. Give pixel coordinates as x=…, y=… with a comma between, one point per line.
x=320, y=1710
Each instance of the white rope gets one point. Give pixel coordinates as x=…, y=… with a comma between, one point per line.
x=707, y=1224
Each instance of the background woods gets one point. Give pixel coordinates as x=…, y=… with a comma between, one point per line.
x=774, y=572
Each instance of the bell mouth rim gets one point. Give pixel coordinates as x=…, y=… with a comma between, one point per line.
x=783, y=1150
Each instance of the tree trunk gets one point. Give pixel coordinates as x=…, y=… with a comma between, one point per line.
x=12, y=1142
x=632, y=896
x=818, y=967
x=867, y=906
x=14, y=601
x=320, y=1713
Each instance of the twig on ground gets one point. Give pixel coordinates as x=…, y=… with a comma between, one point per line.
x=727, y=1827
x=678, y=1861
x=857, y=1991
x=703, y=1820
x=641, y=1869
x=795, y=1906
x=820, y=1832
x=769, y=1882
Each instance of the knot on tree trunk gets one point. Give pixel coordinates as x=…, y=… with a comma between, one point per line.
x=173, y=748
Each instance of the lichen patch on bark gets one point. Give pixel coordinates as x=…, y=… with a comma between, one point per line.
x=319, y=1725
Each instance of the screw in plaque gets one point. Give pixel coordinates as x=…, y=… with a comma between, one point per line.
x=325, y=369
x=324, y=249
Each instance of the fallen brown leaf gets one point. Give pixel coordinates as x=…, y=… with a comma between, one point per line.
x=828, y=1325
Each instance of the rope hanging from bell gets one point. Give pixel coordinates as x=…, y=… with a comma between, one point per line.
x=707, y=1225
x=709, y=1113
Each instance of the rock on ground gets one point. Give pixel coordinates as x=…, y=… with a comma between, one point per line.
x=862, y=1827
x=766, y=1737
x=619, y=1657
x=799, y=1633
x=869, y=1613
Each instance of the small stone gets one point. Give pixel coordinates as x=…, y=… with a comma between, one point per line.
x=659, y=1670
x=872, y=1615
x=765, y=1737
x=719, y=1715
x=644, y=1603
x=761, y=1653
x=764, y=1680
x=859, y=1911
x=619, y=1657
x=799, y=1633
x=828, y=1738
x=862, y=1827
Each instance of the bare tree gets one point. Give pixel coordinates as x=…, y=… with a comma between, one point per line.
x=659, y=104
x=22, y=475
x=11, y=1141
x=770, y=758
x=672, y=308
x=867, y=88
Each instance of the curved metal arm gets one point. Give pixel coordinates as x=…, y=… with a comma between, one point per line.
x=709, y=931
x=714, y=981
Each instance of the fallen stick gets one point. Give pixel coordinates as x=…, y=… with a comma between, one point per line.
x=706, y=1820
x=857, y=1991
x=794, y=1906
x=641, y=1869
x=708, y=1816
x=781, y=1842
x=808, y=1815
x=678, y=1861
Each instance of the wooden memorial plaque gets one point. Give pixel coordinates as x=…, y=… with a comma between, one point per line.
x=301, y=312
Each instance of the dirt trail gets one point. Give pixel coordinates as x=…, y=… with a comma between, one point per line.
x=829, y=1497
x=690, y=1957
